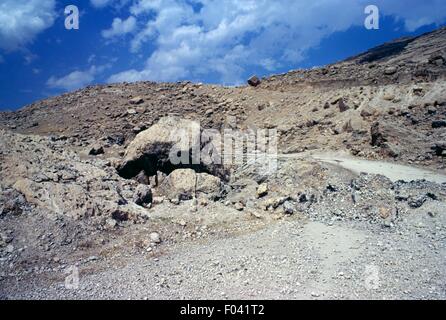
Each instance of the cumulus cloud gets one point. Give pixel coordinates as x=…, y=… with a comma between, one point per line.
x=415, y=14
x=120, y=27
x=22, y=20
x=223, y=39
x=76, y=79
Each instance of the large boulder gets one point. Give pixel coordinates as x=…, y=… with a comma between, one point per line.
x=185, y=184
x=254, y=81
x=208, y=186
x=180, y=184
x=172, y=143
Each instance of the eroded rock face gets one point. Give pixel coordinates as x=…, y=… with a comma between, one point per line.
x=172, y=143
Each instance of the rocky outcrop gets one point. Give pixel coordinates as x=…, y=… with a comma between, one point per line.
x=170, y=144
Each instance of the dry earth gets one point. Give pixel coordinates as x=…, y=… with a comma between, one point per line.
x=355, y=210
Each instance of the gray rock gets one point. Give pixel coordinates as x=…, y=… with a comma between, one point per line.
x=180, y=184
x=96, y=150
x=136, y=100
x=254, y=81
x=155, y=237
x=342, y=106
x=438, y=124
x=143, y=195
x=288, y=207
x=390, y=71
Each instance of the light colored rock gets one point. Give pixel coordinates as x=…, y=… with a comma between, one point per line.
x=262, y=190
x=159, y=146
x=288, y=207
x=158, y=200
x=136, y=100
x=389, y=97
x=208, y=185
x=155, y=237
x=390, y=71
x=239, y=206
x=180, y=184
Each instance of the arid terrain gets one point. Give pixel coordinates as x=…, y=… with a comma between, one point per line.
x=91, y=207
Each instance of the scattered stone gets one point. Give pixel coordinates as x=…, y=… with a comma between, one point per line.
x=138, y=129
x=415, y=203
x=342, y=106
x=180, y=184
x=389, y=97
x=157, y=200
x=155, y=237
x=96, y=150
x=384, y=212
x=303, y=198
x=136, y=100
x=365, y=113
x=418, y=91
x=9, y=248
x=254, y=81
x=111, y=223
x=438, y=124
x=288, y=207
x=274, y=203
x=239, y=206
x=390, y=71
x=439, y=148
x=262, y=190
x=143, y=195
x=208, y=185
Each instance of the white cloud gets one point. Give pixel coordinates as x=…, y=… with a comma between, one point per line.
x=224, y=38
x=22, y=20
x=120, y=27
x=415, y=13
x=76, y=79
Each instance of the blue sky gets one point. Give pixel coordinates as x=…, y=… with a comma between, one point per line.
x=206, y=41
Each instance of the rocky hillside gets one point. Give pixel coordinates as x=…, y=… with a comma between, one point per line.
x=399, y=85
x=86, y=181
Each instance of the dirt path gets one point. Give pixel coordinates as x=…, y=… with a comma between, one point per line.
x=392, y=171
x=292, y=259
